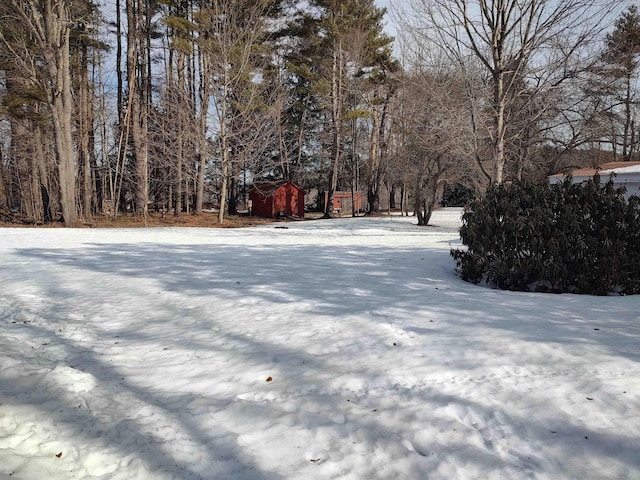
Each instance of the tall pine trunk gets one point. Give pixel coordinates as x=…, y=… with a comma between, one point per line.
x=204, y=96
x=56, y=23
x=137, y=66
x=336, y=127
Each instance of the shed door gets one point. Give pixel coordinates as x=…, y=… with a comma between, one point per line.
x=292, y=202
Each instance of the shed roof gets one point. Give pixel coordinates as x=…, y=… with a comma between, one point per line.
x=630, y=167
x=269, y=188
x=345, y=194
x=610, y=167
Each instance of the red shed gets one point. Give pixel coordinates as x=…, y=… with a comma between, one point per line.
x=277, y=199
x=344, y=202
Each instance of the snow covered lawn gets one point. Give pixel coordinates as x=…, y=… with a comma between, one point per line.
x=332, y=349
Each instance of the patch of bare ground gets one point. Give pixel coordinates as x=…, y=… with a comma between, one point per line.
x=205, y=220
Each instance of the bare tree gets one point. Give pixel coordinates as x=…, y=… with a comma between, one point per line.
x=534, y=40
x=436, y=134
x=234, y=30
x=378, y=100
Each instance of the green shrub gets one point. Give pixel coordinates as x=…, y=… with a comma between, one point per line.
x=558, y=238
x=456, y=195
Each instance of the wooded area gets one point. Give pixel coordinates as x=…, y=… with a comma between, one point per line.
x=211, y=96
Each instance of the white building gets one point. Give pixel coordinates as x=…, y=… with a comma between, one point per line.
x=624, y=173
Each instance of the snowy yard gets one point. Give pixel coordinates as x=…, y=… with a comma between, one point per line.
x=332, y=349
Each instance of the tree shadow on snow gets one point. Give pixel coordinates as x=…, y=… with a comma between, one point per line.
x=375, y=286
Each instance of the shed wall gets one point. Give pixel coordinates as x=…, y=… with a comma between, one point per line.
x=288, y=199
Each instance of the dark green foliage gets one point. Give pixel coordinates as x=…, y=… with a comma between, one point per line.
x=558, y=238
x=456, y=195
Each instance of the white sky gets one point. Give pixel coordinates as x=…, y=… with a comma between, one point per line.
x=388, y=23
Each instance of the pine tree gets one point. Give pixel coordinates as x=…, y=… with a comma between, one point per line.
x=230, y=36
x=621, y=59
x=339, y=43
x=36, y=49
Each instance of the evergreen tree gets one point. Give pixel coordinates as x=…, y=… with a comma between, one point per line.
x=621, y=59
x=339, y=42
x=231, y=33
x=40, y=44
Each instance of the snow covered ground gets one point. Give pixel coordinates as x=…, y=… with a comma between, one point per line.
x=345, y=348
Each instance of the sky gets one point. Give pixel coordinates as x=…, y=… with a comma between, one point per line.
x=344, y=348
x=388, y=23
x=390, y=5
x=384, y=3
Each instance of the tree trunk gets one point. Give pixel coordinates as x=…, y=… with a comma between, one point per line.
x=224, y=146
x=204, y=93
x=179, y=180
x=34, y=206
x=224, y=173
x=417, y=206
x=61, y=103
x=4, y=205
x=626, y=154
x=139, y=106
x=432, y=200
x=84, y=128
x=375, y=174
x=392, y=196
x=403, y=200
x=201, y=165
x=336, y=127
x=120, y=85
x=181, y=125
x=500, y=128
x=233, y=189
x=377, y=150
x=42, y=175
x=62, y=120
